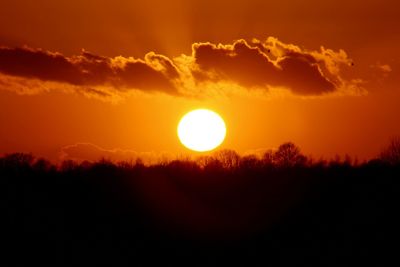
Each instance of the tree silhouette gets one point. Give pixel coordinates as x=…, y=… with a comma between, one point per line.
x=228, y=158
x=391, y=154
x=42, y=165
x=17, y=162
x=288, y=155
x=250, y=162
x=268, y=158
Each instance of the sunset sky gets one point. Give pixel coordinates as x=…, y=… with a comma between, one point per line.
x=83, y=79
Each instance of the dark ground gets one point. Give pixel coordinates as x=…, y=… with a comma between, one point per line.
x=178, y=214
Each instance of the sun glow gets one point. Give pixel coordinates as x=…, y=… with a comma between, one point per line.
x=201, y=130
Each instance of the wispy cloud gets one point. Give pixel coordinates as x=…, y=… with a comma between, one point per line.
x=91, y=152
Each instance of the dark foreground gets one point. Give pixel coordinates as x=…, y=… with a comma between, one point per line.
x=246, y=212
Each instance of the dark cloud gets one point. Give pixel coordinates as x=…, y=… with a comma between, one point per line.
x=252, y=67
x=31, y=63
x=256, y=64
x=89, y=70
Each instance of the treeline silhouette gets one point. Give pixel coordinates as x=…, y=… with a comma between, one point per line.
x=281, y=209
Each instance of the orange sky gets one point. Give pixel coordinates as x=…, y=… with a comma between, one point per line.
x=84, y=78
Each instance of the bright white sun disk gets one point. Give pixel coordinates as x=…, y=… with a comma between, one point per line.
x=201, y=130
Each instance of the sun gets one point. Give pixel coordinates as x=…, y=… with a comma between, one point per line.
x=201, y=130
